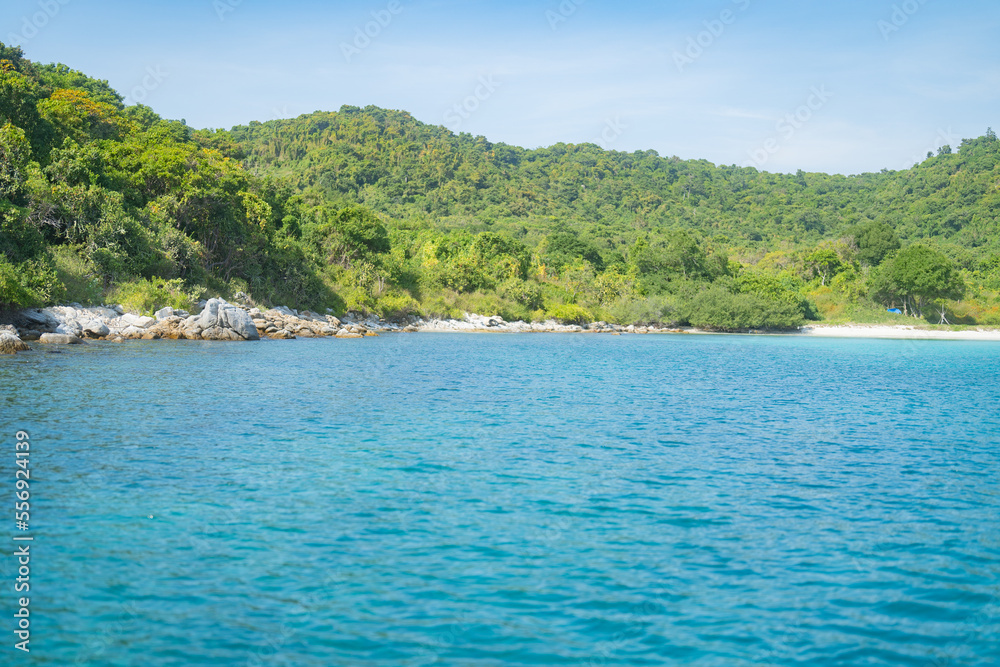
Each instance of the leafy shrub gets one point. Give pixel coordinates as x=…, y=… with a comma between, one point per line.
x=120, y=248
x=396, y=305
x=20, y=241
x=719, y=309
x=180, y=256
x=659, y=309
x=443, y=306
x=29, y=284
x=13, y=291
x=526, y=294
x=149, y=295
x=78, y=275
x=570, y=313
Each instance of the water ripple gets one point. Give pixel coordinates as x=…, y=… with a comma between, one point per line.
x=514, y=500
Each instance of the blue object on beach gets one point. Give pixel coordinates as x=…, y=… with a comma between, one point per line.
x=897, y=311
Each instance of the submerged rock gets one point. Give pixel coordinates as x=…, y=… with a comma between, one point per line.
x=348, y=333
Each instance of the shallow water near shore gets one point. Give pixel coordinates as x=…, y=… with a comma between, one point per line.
x=512, y=500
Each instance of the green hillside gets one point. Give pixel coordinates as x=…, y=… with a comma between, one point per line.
x=369, y=209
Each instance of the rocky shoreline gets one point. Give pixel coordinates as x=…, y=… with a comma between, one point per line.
x=218, y=319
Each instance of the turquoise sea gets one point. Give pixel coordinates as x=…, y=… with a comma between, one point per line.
x=438, y=499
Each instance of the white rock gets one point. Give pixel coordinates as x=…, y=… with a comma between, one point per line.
x=69, y=329
x=164, y=313
x=140, y=321
x=227, y=318
x=59, y=339
x=96, y=328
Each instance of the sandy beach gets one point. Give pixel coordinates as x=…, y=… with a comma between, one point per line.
x=898, y=331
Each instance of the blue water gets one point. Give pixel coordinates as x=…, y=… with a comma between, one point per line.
x=510, y=500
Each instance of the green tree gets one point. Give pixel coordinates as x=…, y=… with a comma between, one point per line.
x=824, y=262
x=562, y=248
x=349, y=235
x=14, y=155
x=684, y=256
x=875, y=242
x=918, y=276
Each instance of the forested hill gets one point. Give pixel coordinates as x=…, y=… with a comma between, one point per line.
x=371, y=210
x=394, y=164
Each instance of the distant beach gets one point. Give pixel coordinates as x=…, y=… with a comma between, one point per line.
x=897, y=331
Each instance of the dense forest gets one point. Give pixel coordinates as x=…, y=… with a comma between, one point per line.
x=370, y=210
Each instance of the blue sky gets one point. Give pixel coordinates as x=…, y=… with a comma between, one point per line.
x=847, y=87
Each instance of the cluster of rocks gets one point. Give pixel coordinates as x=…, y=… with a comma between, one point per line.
x=284, y=323
x=219, y=320
x=478, y=323
x=216, y=320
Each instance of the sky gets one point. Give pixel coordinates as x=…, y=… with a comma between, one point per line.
x=844, y=87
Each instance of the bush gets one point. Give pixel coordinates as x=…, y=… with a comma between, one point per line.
x=526, y=294
x=718, y=309
x=28, y=284
x=180, y=256
x=78, y=275
x=120, y=248
x=13, y=291
x=149, y=295
x=659, y=309
x=396, y=305
x=570, y=313
x=443, y=307
x=20, y=241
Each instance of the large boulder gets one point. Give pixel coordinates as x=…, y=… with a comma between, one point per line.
x=38, y=319
x=9, y=344
x=59, y=339
x=222, y=321
x=96, y=329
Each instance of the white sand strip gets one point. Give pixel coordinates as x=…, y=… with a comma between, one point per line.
x=898, y=331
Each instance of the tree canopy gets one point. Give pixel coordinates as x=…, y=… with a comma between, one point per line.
x=369, y=209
